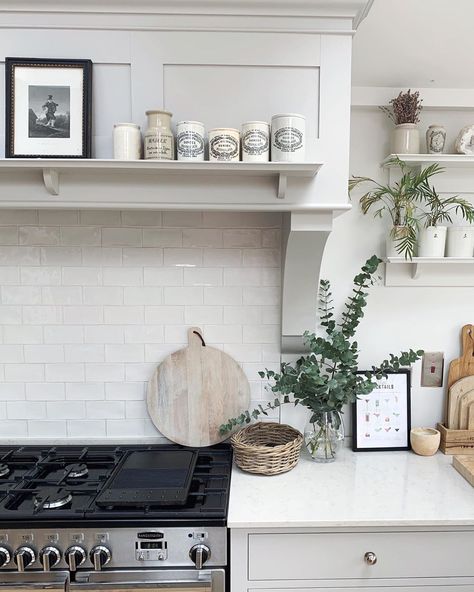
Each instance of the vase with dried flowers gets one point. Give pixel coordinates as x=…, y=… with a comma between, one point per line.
x=404, y=111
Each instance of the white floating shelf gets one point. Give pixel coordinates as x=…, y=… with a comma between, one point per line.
x=429, y=272
x=174, y=176
x=445, y=160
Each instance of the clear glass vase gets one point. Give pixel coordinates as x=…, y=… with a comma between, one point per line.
x=324, y=436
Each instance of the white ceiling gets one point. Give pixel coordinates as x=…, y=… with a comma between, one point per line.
x=416, y=43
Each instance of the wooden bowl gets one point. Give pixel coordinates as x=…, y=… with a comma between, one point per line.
x=425, y=441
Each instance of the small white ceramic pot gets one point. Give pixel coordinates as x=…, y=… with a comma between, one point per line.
x=435, y=139
x=190, y=137
x=425, y=441
x=288, y=137
x=432, y=241
x=158, y=142
x=127, y=141
x=460, y=242
x=224, y=144
x=392, y=239
x=256, y=141
x=406, y=139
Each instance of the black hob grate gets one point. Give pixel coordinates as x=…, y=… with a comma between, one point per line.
x=67, y=483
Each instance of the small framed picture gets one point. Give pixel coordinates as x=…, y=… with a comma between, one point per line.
x=382, y=419
x=48, y=108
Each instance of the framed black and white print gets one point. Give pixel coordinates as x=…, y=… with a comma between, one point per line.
x=382, y=419
x=48, y=108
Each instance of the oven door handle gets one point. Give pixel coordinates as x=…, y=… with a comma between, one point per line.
x=31, y=580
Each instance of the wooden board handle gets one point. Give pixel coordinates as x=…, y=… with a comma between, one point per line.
x=195, y=338
x=467, y=341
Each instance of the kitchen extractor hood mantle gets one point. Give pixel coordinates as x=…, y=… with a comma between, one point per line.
x=219, y=61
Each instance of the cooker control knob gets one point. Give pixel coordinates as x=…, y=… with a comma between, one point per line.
x=199, y=554
x=100, y=556
x=5, y=556
x=23, y=557
x=75, y=556
x=49, y=557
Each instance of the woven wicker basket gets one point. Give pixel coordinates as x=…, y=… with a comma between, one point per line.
x=267, y=448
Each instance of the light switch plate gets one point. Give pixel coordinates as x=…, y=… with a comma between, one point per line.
x=432, y=369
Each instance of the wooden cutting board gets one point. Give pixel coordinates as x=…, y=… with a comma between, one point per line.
x=194, y=391
x=456, y=392
x=465, y=403
x=463, y=366
x=465, y=465
x=470, y=417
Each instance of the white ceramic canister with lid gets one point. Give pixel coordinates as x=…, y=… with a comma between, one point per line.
x=190, y=138
x=224, y=144
x=127, y=141
x=256, y=141
x=158, y=141
x=288, y=137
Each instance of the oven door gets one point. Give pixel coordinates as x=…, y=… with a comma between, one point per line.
x=33, y=580
x=186, y=580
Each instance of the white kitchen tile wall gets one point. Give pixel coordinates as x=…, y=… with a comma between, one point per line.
x=91, y=301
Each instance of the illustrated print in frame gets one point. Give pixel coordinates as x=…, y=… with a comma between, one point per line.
x=381, y=420
x=48, y=108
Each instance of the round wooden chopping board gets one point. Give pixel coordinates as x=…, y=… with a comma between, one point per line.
x=194, y=391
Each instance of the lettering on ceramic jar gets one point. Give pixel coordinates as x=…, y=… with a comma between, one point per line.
x=190, y=144
x=255, y=142
x=224, y=147
x=288, y=139
x=160, y=146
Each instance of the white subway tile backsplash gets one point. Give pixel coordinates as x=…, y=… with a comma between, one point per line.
x=85, y=428
x=87, y=236
x=92, y=301
x=122, y=237
x=37, y=235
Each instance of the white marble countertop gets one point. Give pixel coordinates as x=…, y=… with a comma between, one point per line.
x=358, y=489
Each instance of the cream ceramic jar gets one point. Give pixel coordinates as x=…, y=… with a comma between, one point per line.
x=256, y=141
x=158, y=141
x=288, y=137
x=190, y=137
x=224, y=144
x=127, y=141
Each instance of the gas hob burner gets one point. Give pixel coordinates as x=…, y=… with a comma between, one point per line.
x=51, y=498
x=4, y=470
x=76, y=471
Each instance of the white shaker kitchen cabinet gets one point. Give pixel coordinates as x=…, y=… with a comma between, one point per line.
x=392, y=560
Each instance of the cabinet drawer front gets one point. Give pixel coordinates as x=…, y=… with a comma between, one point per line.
x=332, y=556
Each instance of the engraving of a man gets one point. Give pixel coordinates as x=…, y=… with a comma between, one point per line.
x=50, y=107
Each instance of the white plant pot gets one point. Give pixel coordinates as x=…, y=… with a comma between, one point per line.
x=406, y=139
x=460, y=242
x=392, y=241
x=432, y=241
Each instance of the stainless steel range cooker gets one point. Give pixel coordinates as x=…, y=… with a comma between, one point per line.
x=108, y=518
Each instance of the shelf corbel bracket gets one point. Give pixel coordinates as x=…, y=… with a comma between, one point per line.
x=51, y=181
x=282, y=185
x=415, y=271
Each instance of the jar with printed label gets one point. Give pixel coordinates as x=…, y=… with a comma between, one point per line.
x=158, y=140
x=255, y=141
x=288, y=137
x=190, y=138
x=127, y=141
x=224, y=144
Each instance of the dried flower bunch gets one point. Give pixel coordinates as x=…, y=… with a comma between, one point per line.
x=405, y=108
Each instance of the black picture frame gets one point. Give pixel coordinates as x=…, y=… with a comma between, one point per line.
x=11, y=108
x=356, y=428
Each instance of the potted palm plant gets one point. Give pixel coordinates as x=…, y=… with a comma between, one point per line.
x=399, y=202
x=326, y=378
x=404, y=111
x=437, y=212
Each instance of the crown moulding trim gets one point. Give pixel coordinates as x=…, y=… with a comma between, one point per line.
x=355, y=10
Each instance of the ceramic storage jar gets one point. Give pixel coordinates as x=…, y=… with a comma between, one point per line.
x=256, y=141
x=190, y=139
x=127, y=141
x=288, y=137
x=159, y=141
x=224, y=144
